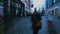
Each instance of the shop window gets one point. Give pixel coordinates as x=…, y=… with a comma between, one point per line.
x=54, y=1
x=16, y=5
x=16, y=11
x=1, y=2
x=16, y=0
x=49, y=12
x=19, y=6
x=56, y=12
x=1, y=9
x=13, y=3
x=52, y=12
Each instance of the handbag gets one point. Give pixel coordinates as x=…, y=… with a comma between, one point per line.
x=38, y=24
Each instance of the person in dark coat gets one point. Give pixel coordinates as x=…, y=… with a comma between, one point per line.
x=35, y=18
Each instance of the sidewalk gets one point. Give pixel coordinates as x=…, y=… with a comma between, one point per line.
x=51, y=24
x=2, y=27
x=57, y=25
x=23, y=26
x=44, y=29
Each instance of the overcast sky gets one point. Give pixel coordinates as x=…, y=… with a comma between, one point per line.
x=37, y=4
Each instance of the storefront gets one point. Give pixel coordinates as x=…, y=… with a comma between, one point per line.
x=12, y=8
x=22, y=9
x=55, y=12
x=1, y=9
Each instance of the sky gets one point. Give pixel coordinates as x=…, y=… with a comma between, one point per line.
x=37, y=4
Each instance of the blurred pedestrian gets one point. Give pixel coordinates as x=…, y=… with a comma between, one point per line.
x=51, y=27
x=36, y=22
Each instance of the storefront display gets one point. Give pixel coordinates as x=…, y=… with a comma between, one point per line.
x=16, y=7
x=52, y=12
x=1, y=10
x=19, y=6
x=12, y=9
x=56, y=13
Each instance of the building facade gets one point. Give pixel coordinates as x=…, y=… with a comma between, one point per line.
x=53, y=8
x=12, y=8
x=27, y=6
x=51, y=5
x=1, y=9
x=22, y=8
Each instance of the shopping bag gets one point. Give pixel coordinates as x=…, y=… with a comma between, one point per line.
x=39, y=24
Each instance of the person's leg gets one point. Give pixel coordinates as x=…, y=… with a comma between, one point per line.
x=35, y=31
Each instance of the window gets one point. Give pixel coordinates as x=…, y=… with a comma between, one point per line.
x=46, y=5
x=12, y=3
x=1, y=8
x=52, y=12
x=1, y=11
x=16, y=5
x=1, y=2
x=16, y=11
x=54, y=1
x=19, y=6
x=56, y=12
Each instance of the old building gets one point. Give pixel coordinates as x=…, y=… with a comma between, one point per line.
x=53, y=8
x=12, y=8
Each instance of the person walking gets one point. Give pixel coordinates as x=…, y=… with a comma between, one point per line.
x=36, y=22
